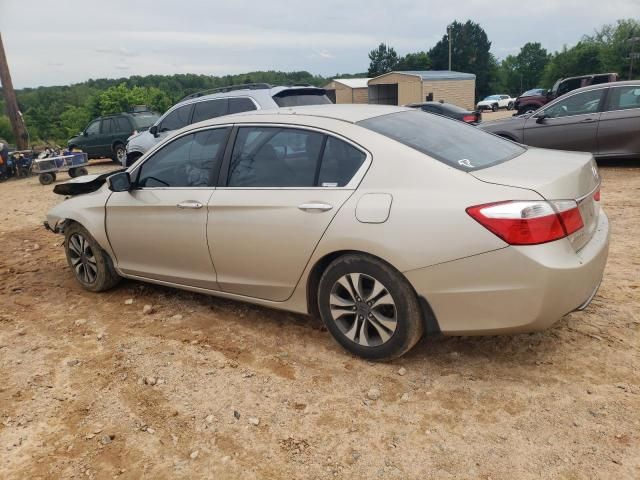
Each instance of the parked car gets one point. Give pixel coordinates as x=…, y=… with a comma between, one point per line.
x=531, y=100
x=352, y=213
x=449, y=110
x=107, y=136
x=222, y=101
x=496, y=102
x=601, y=119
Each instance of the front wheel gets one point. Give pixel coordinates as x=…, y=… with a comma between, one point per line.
x=369, y=307
x=494, y=107
x=510, y=106
x=90, y=264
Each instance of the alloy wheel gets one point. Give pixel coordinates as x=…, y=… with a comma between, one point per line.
x=82, y=258
x=363, y=309
x=121, y=154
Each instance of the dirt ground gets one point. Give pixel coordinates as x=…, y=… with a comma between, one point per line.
x=90, y=387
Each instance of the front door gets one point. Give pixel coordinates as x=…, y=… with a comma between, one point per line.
x=91, y=138
x=570, y=123
x=282, y=189
x=158, y=230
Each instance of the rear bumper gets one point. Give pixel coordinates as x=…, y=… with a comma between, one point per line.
x=514, y=289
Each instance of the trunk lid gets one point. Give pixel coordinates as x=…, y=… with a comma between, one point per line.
x=554, y=175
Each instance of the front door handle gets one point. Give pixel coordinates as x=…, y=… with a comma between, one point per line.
x=588, y=120
x=189, y=204
x=315, y=207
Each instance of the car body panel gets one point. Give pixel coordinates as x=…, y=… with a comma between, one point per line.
x=179, y=252
x=576, y=132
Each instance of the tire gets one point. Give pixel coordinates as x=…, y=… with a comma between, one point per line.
x=354, y=323
x=81, y=171
x=527, y=109
x=46, y=178
x=119, y=153
x=510, y=106
x=73, y=173
x=494, y=107
x=90, y=264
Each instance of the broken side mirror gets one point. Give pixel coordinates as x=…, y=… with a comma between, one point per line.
x=119, y=182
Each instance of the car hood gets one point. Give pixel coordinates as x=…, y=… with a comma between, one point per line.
x=74, y=139
x=83, y=184
x=510, y=123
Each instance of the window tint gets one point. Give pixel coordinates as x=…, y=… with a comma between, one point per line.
x=107, y=126
x=622, y=98
x=237, y=105
x=449, y=141
x=177, y=119
x=340, y=162
x=569, y=85
x=432, y=109
x=122, y=124
x=186, y=162
x=93, y=128
x=579, y=104
x=274, y=157
x=144, y=120
x=209, y=109
x=297, y=97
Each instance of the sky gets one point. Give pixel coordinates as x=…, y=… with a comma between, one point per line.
x=62, y=42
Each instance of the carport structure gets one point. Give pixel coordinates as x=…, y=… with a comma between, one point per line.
x=348, y=90
x=404, y=87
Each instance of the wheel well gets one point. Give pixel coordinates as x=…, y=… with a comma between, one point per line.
x=429, y=318
x=115, y=144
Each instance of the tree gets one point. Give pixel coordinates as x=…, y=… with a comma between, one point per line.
x=121, y=99
x=615, y=47
x=530, y=64
x=414, y=61
x=582, y=59
x=470, y=53
x=383, y=60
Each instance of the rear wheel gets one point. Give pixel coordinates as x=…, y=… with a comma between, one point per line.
x=119, y=153
x=47, y=178
x=90, y=264
x=369, y=307
x=494, y=107
x=510, y=106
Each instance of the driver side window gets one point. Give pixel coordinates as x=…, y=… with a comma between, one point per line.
x=177, y=119
x=580, y=104
x=186, y=162
x=93, y=128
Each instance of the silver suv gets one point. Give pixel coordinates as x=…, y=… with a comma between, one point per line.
x=221, y=101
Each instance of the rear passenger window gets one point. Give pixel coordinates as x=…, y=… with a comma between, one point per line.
x=237, y=105
x=107, y=126
x=209, y=109
x=122, y=124
x=177, y=119
x=623, y=98
x=274, y=157
x=186, y=162
x=340, y=162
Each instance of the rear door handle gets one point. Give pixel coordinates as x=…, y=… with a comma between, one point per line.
x=317, y=207
x=189, y=204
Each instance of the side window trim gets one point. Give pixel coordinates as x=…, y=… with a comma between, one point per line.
x=214, y=174
x=223, y=178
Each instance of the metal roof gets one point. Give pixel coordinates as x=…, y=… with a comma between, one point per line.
x=435, y=75
x=353, y=82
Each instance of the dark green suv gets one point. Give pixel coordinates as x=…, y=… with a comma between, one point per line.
x=107, y=136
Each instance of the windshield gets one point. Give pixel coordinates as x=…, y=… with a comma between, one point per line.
x=144, y=120
x=492, y=97
x=298, y=97
x=535, y=91
x=449, y=141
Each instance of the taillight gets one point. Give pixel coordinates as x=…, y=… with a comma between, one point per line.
x=469, y=118
x=529, y=222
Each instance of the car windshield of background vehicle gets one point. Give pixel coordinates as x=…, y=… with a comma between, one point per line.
x=145, y=120
x=493, y=97
x=449, y=141
x=579, y=104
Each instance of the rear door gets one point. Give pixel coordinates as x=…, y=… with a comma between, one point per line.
x=619, y=128
x=210, y=109
x=569, y=123
x=281, y=189
x=158, y=230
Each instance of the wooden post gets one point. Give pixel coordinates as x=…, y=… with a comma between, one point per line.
x=17, y=124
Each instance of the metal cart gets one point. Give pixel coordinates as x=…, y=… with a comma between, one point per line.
x=47, y=168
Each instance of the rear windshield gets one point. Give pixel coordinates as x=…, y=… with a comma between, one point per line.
x=449, y=141
x=298, y=97
x=144, y=120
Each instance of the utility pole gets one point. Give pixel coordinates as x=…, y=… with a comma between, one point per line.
x=449, y=36
x=17, y=124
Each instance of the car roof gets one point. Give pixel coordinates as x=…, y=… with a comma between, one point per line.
x=246, y=92
x=347, y=112
x=603, y=85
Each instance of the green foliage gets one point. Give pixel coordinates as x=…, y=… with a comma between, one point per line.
x=382, y=60
x=122, y=99
x=6, y=133
x=470, y=53
x=581, y=59
x=414, y=61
